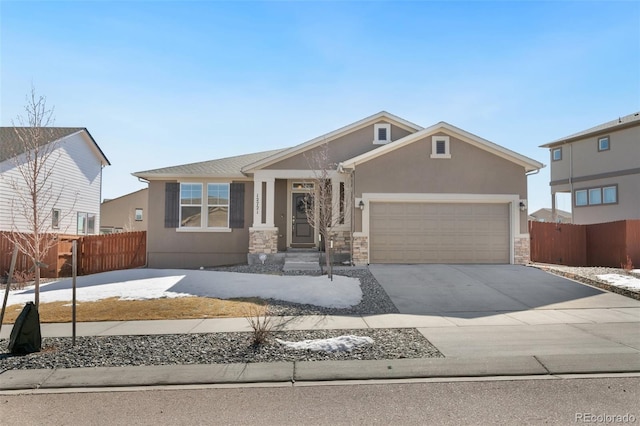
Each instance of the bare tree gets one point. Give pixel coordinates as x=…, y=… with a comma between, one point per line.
x=321, y=204
x=32, y=152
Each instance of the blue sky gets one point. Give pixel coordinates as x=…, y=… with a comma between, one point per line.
x=160, y=83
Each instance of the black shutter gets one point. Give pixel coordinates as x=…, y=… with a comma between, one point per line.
x=236, y=218
x=171, y=204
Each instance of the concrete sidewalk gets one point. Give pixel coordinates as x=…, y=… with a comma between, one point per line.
x=532, y=342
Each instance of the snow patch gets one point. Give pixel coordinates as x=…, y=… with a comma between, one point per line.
x=145, y=284
x=624, y=281
x=334, y=344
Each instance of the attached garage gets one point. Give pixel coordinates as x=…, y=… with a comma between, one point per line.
x=430, y=232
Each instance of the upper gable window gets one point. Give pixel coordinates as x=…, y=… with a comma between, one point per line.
x=440, y=147
x=556, y=154
x=381, y=133
x=603, y=143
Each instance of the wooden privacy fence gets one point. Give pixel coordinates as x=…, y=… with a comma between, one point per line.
x=96, y=253
x=602, y=244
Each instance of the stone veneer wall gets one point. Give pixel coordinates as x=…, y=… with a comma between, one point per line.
x=263, y=241
x=360, y=250
x=521, y=250
x=341, y=241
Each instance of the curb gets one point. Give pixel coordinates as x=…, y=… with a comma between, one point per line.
x=314, y=371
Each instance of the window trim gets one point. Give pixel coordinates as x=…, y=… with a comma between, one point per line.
x=135, y=214
x=553, y=151
x=55, y=218
x=601, y=138
x=586, y=193
x=434, y=147
x=376, y=127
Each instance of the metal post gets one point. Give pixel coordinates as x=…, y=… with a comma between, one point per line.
x=14, y=258
x=74, y=268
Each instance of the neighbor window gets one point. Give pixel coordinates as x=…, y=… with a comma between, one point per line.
x=218, y=205
x=82, y=224
x=440, y=147
x=603, y=143
x=191, y=205
x=581, y=197
x=55, y=218
x=610, y=194
x=556, y=154
x=381, y=133
x=91, y=223
x=595, y=196
x=138, y=215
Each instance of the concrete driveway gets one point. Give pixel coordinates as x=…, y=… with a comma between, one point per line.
x=470, y=291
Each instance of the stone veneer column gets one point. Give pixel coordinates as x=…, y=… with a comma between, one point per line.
x=360, y=250
x=263, y=241
x=521, y=250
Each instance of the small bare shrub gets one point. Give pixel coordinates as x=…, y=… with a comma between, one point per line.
x=21, y=278
x=628, y=265
x=260, y=323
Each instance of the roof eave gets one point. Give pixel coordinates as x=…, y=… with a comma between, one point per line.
x=250, y=168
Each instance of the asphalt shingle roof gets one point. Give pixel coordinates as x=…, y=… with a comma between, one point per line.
x=221, y=167
x=10, y=145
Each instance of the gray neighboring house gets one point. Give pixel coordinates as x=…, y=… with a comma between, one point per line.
x=408, y=194
x=127, y=213
x=547, y=215
x=600, y=168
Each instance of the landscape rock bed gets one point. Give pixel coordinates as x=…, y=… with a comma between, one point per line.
x=589, y=275
x=213, y=348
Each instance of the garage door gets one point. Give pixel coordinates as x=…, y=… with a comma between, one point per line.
x=439, y=233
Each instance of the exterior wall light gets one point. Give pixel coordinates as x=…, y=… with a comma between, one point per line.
x=361, y=205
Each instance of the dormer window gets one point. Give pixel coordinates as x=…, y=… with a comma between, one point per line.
x=381, y=133
x=440, y=147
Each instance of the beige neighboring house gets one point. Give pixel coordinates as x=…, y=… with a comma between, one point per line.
x=127, y=213
x=547, y=215
x=73, y=187
x=600, y=168
x=408, y=194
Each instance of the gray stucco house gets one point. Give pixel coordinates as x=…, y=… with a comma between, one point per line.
x=410, y=195
x=600, y=168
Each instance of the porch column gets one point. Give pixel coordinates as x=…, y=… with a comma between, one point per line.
x=335, y=199
x=270, y=201
x=257, y=203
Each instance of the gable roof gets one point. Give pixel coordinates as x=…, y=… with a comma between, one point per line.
x=11, y=146
x=526, y=162
x=561, y=213
x=229, y=167
x=289, y=152
x=617, y=124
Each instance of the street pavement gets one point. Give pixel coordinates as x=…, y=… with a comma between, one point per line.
x=598, y=332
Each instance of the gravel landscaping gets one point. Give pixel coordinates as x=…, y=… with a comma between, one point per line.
x=235, y=347
x=589, y=275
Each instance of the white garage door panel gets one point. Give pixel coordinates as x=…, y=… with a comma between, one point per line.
x=439, y=233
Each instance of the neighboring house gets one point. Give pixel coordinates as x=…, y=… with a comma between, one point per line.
x=127, y=213
x=547, y=215
x=408, y=195
x=74, y=180
x=600, y=168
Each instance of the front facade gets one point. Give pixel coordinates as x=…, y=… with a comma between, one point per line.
x=70, y=200
x=403, y=194
x=600, y=168
x=127, y=213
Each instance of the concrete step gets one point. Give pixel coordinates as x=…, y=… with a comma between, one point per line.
x=302, y=260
